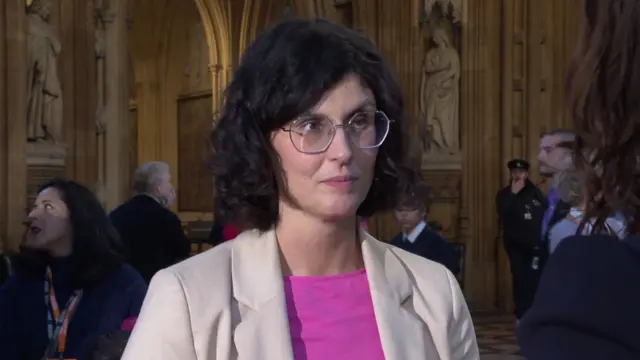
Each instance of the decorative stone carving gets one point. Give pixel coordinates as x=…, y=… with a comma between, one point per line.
x=44, y=112
x=440, y=96
x=46, y=153
x=448, y=8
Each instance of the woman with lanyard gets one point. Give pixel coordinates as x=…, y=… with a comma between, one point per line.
x=72, y=252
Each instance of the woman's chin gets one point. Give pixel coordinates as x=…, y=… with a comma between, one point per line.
x=338, y=211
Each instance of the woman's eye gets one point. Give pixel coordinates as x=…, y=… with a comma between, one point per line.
x=362, y=121
x=310, y=125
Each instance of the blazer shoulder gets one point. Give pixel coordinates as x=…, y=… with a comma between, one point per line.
x=213, y=262
x=209, y=274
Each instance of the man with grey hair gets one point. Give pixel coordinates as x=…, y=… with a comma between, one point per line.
x=150, y=231
x=556, y=154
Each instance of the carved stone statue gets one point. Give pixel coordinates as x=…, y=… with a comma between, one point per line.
x=44, y=113
x=447, y=7
x=440, y=96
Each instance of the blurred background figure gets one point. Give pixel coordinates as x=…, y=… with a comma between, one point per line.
x=555, y=155
x=571, y=190
x=151, y=233
x=521, y=206
x=417, y=237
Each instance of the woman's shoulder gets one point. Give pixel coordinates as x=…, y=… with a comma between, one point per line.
x=593, y=258
x=427, y=274
x=598, y=245
x=209, y=267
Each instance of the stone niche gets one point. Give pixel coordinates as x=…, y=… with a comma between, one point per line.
x=45, y=161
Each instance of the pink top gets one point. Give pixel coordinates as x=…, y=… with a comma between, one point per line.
x=128, y=323
x=331, y=317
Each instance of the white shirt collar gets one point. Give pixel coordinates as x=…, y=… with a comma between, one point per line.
x=413, y=235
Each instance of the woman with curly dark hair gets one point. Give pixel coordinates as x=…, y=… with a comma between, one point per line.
x=587, y=303
x=70, y=286
x=309, y=139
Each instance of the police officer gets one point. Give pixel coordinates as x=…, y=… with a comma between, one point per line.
x=521, y=206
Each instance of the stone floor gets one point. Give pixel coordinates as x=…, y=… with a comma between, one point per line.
x=496, y=337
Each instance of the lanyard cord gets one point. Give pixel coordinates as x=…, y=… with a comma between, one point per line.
x=58, y=321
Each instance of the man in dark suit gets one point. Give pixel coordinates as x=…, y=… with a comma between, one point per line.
x=416, y=236
x=151, y=233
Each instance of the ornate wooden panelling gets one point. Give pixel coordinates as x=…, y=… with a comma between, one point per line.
x=13, y=132
x=445, y=209
x=196, y=184
x=537, y=41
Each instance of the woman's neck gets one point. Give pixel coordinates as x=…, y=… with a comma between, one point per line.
x=312, y=247
x=61, y=248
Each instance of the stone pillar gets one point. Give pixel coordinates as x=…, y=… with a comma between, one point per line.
x=13, y=130
x=116, y=110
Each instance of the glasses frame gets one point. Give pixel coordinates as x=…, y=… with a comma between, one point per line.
x=344, y=126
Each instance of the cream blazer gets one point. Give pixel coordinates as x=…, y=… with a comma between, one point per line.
x=228, y=303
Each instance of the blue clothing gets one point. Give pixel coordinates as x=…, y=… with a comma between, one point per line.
x=101, y=310
x=553, y=198
x=430, y=245
x=566, y=228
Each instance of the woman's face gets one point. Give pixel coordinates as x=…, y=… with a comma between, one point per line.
x=331, y=185
x=48, y=223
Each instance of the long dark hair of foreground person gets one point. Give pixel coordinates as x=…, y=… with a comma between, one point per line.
x=603, y=92
x=96, y=247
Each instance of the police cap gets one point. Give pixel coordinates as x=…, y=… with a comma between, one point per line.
x=518, y=164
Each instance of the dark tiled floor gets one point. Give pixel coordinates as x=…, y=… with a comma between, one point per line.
x=496, y=337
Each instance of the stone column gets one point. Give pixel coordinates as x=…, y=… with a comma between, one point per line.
x=13, y=130
x=116, y=110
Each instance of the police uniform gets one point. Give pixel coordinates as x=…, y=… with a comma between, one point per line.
x=521, y=214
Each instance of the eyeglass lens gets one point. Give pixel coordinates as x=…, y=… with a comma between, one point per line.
x=314, y=133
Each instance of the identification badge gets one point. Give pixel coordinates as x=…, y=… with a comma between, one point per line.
x=527, y=216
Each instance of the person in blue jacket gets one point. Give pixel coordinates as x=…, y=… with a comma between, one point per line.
x=70, y=285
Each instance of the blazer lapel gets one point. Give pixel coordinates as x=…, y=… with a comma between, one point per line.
x=403, y=334
x=263, y=332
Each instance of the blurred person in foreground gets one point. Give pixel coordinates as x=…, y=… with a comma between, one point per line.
x=309, y=139
x=586, y=307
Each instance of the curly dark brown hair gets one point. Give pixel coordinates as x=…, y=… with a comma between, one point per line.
x=285, y=72
x=603, y=92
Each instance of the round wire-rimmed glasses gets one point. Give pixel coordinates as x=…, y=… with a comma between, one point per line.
x=313, y=134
